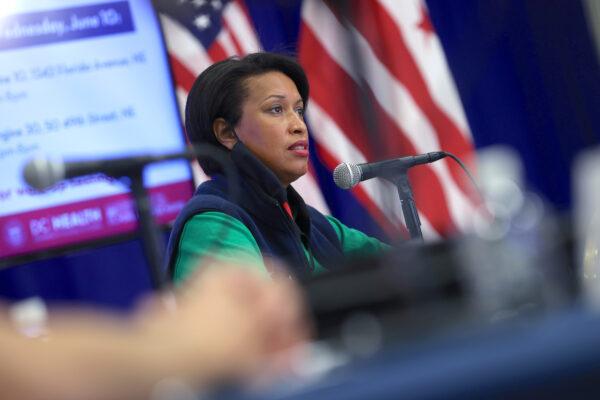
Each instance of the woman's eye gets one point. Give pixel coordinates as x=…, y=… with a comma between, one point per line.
x=276, y=109
x=300, y=111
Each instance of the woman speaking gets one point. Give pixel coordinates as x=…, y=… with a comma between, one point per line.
x=253, y=108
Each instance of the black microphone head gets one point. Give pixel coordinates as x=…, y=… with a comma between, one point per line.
x=41, y=173
x=347, y=175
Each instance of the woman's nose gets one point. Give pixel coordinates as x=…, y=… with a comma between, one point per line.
x=297, y=124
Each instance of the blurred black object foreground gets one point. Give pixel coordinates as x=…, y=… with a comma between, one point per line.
x=477, y=318
x=418, y=290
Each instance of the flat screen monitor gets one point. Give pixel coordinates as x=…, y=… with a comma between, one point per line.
x=83, y=80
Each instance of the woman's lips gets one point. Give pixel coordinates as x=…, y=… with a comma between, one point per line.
x=300, y=148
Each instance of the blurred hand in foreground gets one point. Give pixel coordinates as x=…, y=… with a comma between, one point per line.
x=231, y=322
x=227, y=324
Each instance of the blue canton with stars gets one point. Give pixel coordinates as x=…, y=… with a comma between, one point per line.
x=201, y=17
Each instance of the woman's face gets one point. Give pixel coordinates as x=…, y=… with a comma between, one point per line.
x=272, y=125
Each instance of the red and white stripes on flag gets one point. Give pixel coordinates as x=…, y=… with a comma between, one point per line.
x=403, y=75
x=188, y=58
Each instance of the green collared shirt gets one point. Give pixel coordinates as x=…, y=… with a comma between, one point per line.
x=225, y=238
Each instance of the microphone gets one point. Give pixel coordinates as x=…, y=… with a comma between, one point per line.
x=348, y=175
x=42, y=172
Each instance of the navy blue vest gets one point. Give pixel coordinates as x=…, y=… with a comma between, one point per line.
x=259, y=209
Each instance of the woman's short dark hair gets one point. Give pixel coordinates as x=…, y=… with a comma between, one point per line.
x=219, y=92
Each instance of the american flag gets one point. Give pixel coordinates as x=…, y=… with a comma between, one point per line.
x=384, y=53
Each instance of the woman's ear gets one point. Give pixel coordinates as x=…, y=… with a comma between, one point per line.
x=224, y=133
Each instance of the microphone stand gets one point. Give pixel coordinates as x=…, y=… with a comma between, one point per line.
x=409, y=208
x=152, y=243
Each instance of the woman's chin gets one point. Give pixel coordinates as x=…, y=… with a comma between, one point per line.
x=291, y=177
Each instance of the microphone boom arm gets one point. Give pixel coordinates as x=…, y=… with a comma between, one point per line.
x=152, y=242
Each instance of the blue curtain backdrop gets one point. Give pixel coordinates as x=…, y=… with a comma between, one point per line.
x=527, y=75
